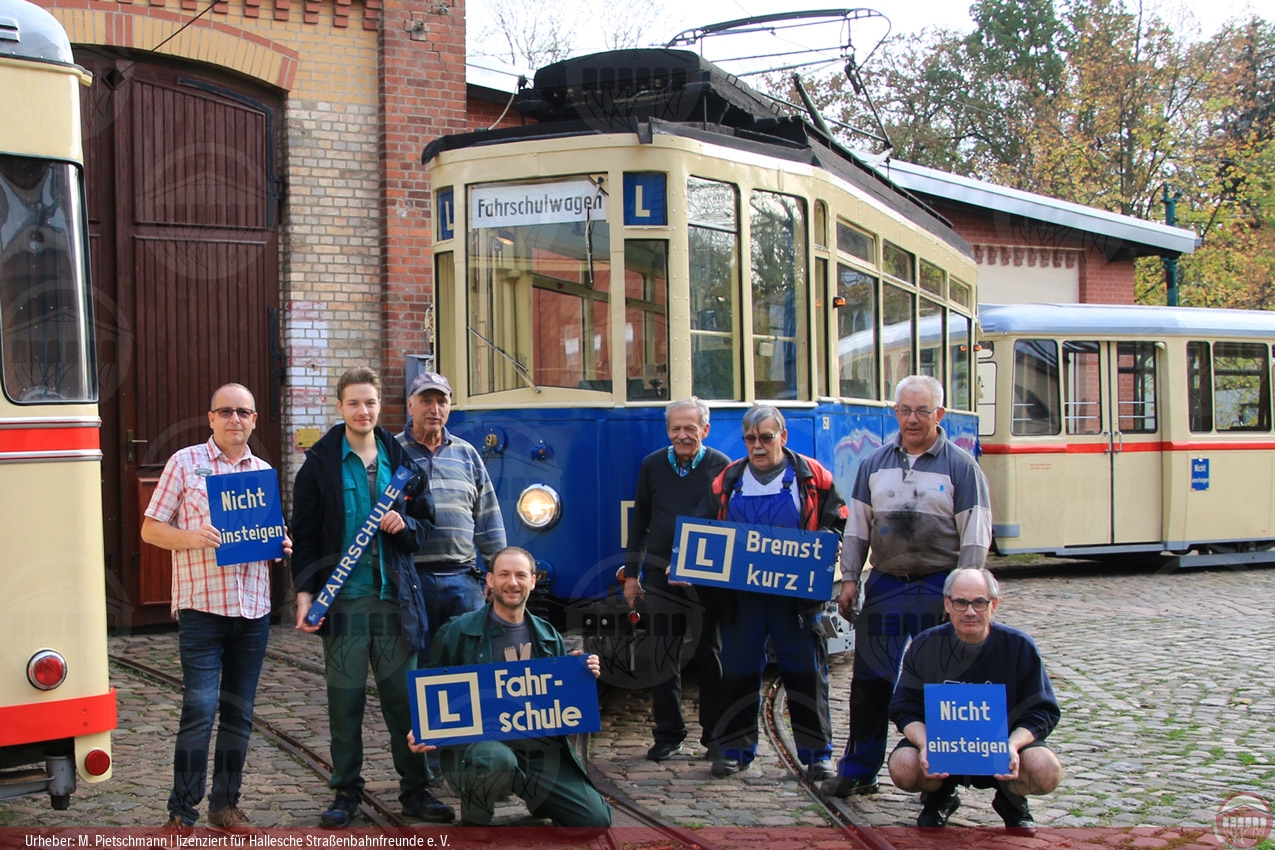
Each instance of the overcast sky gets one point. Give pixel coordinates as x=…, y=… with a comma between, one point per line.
x=907, y=16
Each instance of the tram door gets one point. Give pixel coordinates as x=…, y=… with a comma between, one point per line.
x=1112, y=422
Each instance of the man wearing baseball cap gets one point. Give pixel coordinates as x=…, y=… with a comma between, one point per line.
x=468, y=516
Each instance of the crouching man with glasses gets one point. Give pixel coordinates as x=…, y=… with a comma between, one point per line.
x=974, y=650
x=922, y=504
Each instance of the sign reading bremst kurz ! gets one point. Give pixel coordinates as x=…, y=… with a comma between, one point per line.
x=760, y=558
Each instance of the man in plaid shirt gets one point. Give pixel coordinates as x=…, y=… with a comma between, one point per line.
x=223, y=615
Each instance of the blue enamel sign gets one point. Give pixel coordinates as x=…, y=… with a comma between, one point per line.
x=245, y=508
x=446, y=214
x=539, y=698
x=966, y=729
x=362, y=539
x=644, y=199
x=1199, y=473
x=760, y=558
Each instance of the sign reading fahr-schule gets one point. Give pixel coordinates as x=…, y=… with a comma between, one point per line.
x=540, y=698
x=760, y=558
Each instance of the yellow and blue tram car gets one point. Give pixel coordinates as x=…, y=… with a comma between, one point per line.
x=657, y=229
x=57, y=708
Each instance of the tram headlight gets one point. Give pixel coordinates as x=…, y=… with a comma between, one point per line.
x=46, y=670
x=539, y=507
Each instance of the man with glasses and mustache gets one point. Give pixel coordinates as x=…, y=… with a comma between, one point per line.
x=972, y=649
x=775, y=486
x=222, y=613
x=921, y=503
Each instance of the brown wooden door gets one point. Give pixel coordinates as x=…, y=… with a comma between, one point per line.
x=183, y=222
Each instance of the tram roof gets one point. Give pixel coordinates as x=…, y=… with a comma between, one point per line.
x=658, y=91
x=1125, y=320
x=1160, y=238
x=29, y=32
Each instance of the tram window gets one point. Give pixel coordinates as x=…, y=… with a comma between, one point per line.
x=960, y=293
x=44, y=295
x=646, y=318
x=539, y=292
x=933, y=279
x=856, y=243
x=713, y=247
x=1082, y=368
x=1035, y=410
x=897, y=335
x=1136, y=387
x=821, y=224
x=898, y=262
x=857, y=335
x=445, y=294
x=777, y=234
x=1241, y=386
x=930, y=348
x=959, y=345
x=1199, y=386
x=823, y=303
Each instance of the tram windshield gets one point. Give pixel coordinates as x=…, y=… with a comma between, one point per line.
x=540, y=286
x=45, y=315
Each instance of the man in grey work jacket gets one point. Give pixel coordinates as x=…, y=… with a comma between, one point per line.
x=922, y=504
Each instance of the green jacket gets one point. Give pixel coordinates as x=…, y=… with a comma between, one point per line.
x=467, y=640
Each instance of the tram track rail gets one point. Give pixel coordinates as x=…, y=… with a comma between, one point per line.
x=373, y=808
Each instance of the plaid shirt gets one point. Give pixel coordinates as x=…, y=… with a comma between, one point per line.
x=181, y=500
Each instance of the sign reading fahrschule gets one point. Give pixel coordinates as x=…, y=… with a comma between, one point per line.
x=539, y=698
x=760, y=558
x=246, y=509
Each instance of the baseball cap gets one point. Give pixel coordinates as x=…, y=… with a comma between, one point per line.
x=430, y=381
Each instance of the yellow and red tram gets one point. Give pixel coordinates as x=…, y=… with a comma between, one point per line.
x=57, y=708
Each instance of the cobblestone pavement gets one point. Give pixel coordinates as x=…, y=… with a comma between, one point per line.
x=1164, y=679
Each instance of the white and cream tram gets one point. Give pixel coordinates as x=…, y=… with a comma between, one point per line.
x=1110, y=429
x=656, y=230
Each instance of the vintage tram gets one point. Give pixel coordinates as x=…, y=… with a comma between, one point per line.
x=1109, y=429
x=57, y=708
x=657, y=229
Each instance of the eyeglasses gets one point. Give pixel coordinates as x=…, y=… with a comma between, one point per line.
x=908, y=413
x=760, y=438
x=979, y=605
x=227, y=412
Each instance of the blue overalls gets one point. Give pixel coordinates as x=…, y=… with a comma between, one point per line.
x=800, y=647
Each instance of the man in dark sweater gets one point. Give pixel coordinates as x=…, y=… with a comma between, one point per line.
x=972, y=649
x=674, y=481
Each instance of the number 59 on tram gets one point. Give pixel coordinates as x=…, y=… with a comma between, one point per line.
x=57, y=708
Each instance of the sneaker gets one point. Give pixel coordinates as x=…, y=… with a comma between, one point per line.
x=724, y=766
x=660, y=752
x=1014, y=810
x=343, y=810
x=820, y=770
x=937, y=807
x=177, y=826
x=845, y=786
x=231, y=819
x=421, y=803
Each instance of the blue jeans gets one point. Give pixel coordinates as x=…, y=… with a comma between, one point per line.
x=447, y=595
x=221, y=660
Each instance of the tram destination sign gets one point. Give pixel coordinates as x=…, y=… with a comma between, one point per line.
x=539, y=698
x=246, y=509
x=537, y=203
x=966, y=729
x=760, y=558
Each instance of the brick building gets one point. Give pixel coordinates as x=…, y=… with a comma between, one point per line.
x=1031, y=248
